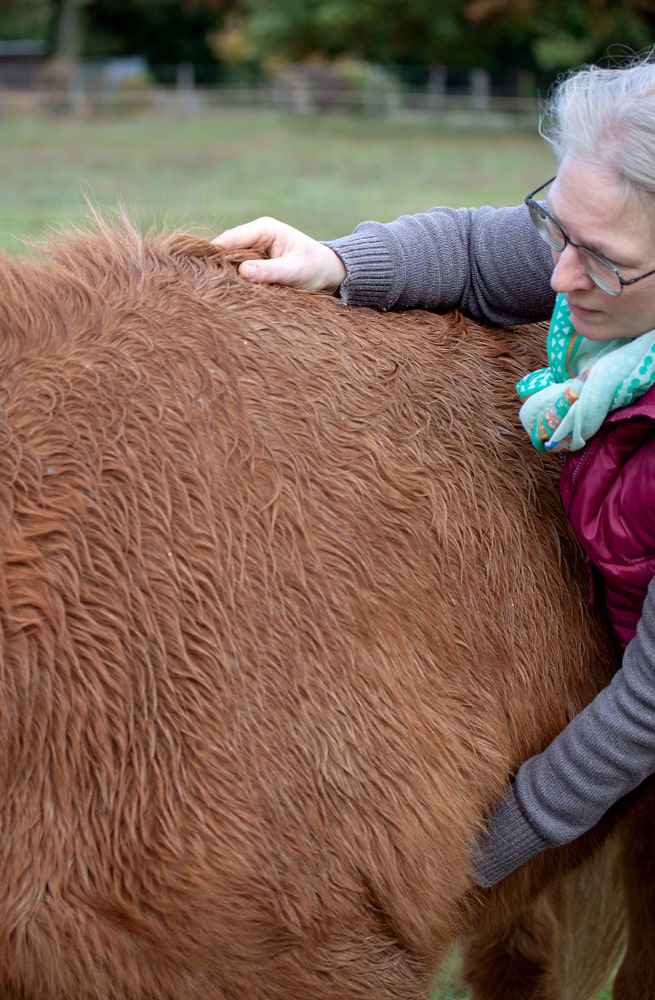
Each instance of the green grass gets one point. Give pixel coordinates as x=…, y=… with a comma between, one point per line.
x=207, y=172
x=447, y=987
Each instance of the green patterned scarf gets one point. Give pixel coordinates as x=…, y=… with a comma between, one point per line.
x=565, y=403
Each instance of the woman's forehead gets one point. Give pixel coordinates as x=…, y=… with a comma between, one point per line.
x=597, y=210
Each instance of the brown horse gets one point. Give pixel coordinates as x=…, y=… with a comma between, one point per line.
x=285, y=598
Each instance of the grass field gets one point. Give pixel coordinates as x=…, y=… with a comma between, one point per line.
x=322, y=175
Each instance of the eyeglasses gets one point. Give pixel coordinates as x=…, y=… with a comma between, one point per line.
x=601, y=271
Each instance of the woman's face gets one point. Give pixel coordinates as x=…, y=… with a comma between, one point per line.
x=593, y=211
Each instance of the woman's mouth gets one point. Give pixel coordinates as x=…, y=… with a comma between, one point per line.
x=582, y=311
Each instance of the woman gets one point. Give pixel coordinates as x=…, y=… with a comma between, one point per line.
x=583, y=249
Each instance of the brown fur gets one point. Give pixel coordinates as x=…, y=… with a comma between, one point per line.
x=285, y=598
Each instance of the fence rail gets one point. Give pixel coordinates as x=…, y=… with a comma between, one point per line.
x=93, y=96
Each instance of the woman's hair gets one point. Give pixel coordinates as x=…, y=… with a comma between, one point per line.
x=607, y=115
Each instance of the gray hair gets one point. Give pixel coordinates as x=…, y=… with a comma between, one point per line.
x=607, y=116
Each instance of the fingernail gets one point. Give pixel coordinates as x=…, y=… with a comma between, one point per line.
x=248, y=270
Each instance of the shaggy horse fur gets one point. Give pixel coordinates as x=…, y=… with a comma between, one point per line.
x=285, y=598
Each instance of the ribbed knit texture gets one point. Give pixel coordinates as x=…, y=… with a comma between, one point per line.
x=489, y=263
x=509, y=842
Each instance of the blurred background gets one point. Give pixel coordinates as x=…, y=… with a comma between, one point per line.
x=205, y=113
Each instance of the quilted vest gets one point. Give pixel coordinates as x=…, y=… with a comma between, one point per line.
x=608, y=492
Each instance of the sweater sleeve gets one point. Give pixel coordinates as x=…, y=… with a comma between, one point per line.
x=489, y=263
x=604, y=753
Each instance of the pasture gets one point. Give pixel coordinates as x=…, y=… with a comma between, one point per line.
x=205, y=173
x=323, y=175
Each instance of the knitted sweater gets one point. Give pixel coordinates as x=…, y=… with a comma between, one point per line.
x=493, y=266
x=489, y=263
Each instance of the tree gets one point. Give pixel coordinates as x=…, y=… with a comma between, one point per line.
x=383, y=31
x=67, y=29
x=526, y=34
x=165, y=32
x=25, y=19
x=496, y=34
x=564, y=33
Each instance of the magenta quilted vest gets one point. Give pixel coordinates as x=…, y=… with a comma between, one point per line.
x=608, y=492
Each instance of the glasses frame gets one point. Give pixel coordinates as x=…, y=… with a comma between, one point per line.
x=535, y=207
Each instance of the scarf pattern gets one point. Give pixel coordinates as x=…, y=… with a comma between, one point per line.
x=565, y=403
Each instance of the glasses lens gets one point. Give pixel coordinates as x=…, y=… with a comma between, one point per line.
x=601, y=272
x=547, y=228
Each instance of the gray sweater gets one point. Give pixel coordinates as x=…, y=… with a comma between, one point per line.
x=491, y=264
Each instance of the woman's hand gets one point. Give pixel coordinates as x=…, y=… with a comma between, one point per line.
x=292, y=258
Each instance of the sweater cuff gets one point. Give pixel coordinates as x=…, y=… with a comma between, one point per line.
x=507, y=842
x=372, y=271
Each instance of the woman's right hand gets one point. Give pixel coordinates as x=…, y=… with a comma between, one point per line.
x=292, y=258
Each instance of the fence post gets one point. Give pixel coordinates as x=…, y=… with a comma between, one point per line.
x=480, y=89
x=436, y=89
x=187, y=99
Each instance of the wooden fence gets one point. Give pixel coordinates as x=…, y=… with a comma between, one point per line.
x=299, y=93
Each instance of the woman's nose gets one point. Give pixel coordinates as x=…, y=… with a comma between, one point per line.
x=569, y=273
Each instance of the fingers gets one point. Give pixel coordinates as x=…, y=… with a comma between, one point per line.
x=275, y=270
x=260, y=234
x=277, y=241
x=267, y=235
x=291, y=257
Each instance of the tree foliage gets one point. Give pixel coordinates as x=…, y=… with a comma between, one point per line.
x=380, y=31
x=527, y=34
x=25, y=19
x=162, y=31
x=564, y=33
x=492, y=33
x=165, y=32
